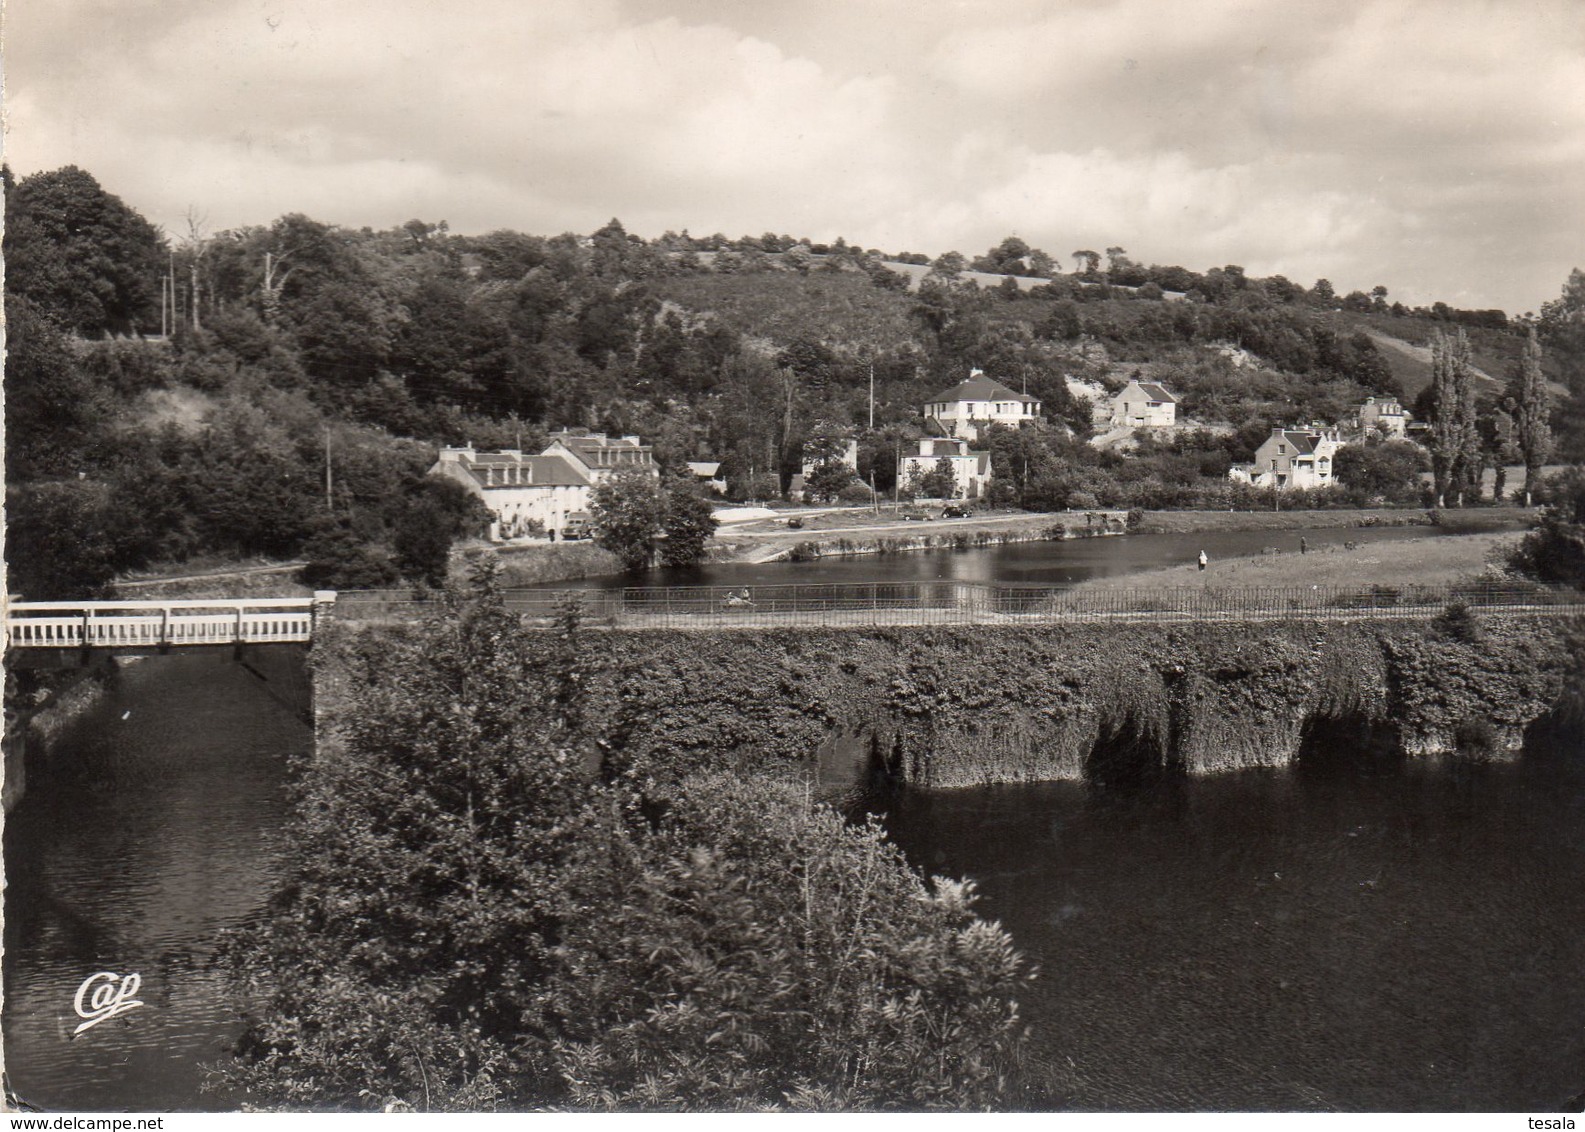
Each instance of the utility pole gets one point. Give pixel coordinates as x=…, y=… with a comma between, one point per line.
x=164, y=325
x=195, y=292
x=329, y=498
x=872, y=395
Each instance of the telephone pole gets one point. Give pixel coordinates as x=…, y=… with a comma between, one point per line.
x=872, y=395
x=329, y=499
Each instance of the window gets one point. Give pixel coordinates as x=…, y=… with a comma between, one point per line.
x=1282, y=449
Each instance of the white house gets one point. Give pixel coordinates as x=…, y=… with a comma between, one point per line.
x=1385, y=417
x=1144, y=404
x=971, y=405
x=600, y=457
x=971, y=471
x=518, y=490
x=1292, y=457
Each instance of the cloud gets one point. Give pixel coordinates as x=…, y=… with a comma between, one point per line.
x=1438, y=148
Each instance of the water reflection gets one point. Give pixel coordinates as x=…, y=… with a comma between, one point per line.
x=1353, y=934
x=150, y=831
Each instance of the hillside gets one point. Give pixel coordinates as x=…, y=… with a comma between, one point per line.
x=311, y=371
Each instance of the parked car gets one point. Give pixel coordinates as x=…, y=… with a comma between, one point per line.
x=795, y=523
x=956, y=511
x=915, y=513
x=577, y=525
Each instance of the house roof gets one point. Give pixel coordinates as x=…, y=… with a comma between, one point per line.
x=536, y=471
x=701, y=468
x=981, y=388
x=1303, y=442
x=605, y=452
x=1152, y=391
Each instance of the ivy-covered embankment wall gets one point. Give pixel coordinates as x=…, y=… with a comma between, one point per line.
x=948, y=707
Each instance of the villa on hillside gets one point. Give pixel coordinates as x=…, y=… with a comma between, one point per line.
x=519, y=490
x=980, y=401
x=1383, y=416
x=971, y=471
x=1144, y=404
x=1291, y=457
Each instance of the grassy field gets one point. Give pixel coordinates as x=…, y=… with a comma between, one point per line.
x=1472, y=519
x=1430, y=561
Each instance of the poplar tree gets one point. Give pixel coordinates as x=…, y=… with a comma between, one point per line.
x=1455, y=442
x=1531, y=408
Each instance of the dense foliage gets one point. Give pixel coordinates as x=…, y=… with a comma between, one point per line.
x=489, y=907
x=1555, y=550
x=301, y=348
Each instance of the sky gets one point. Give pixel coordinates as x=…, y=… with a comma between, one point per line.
x=1436, y=147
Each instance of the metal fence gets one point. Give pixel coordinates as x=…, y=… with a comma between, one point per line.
x=972, y=603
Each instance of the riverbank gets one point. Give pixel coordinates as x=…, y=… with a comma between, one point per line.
x=1433, y=560
x=38, y=716
x=1467, y=519
x=845, y=533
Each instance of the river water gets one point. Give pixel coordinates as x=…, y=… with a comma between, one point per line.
x=1035, y=563
x=1352, y=933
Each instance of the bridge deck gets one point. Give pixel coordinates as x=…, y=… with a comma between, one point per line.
x=135, y=625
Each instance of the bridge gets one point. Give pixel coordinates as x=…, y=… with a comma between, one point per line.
x=147, y=626
x=144, y=626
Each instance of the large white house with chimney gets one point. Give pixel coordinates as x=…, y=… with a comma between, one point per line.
x=977, y=403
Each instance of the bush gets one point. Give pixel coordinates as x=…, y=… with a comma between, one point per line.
x=488, y=907
x=856, y=494
x=1555, y=550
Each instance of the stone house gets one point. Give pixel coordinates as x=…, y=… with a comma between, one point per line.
x=1144, y=404
x=1292, y=457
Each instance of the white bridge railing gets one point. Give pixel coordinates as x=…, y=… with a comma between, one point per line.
x=143, y=624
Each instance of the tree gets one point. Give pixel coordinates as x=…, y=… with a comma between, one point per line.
x=338, y=559
x=1086, y=262
x=1455, y=438
x=1388, y=472
x=1555, y=550
x=940, y=482
x=948, y=267
x=759, y=953
x=627, y=517
x=827, y=480
x=689, y=523
x=87, y=259
x=484, y=910
x=1530, y=407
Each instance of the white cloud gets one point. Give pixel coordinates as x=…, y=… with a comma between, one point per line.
x=1435, y=147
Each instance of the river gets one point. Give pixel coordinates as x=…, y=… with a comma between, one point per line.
x=1354, y=932
x=1037, y=563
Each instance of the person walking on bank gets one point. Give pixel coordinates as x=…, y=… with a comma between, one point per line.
x=1304, y=547
x=1203, y=561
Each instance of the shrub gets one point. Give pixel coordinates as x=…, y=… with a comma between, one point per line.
x=488, y=907
x=856, y=494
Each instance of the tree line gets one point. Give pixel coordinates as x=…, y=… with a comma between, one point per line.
x=310, y=372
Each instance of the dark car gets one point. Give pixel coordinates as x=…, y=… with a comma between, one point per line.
x=956, y=511
x=915, y=513
x=795, y=523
